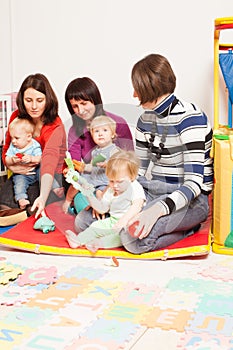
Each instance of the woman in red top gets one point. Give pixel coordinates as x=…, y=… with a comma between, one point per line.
x=37, y=101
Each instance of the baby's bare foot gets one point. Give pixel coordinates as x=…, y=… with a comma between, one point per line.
x=23, y=203
x=93, y=246
x=72, y=239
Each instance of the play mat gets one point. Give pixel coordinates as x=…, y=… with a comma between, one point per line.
x=24, y=237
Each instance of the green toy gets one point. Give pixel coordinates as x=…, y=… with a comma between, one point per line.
x=44, y=224
x=98, y=159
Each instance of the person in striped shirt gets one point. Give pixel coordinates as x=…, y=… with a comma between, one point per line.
x=173, y=143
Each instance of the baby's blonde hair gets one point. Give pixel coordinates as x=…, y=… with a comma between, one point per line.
x=123, y=160
x=25, y=124
x=103, y=120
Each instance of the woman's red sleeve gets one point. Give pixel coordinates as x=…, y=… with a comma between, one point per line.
x=54, y=140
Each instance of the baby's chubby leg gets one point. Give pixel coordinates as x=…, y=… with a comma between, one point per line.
x=74, y=242
x=83, y=238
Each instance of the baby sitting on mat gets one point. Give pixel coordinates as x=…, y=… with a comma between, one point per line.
x=123, y=199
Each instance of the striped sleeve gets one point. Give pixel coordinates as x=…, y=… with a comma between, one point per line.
x=142, y=135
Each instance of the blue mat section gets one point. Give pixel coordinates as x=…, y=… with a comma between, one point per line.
x=5, y=228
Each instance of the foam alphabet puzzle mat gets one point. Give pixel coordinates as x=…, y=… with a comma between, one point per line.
x=24, y=237
x=93, y=306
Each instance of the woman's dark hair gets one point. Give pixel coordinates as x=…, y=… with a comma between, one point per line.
x=153, y=77
x=83, y=89
x=40, y=83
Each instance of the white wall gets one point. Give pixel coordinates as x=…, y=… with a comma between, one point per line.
x=6, y=82
x=102, y=39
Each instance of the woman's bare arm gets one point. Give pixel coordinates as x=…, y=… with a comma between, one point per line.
x=17, y=167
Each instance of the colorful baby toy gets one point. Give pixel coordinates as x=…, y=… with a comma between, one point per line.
x=76, y=180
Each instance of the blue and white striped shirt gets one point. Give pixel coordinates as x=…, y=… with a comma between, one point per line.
x=185, y=159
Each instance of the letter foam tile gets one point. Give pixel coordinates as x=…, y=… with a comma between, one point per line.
x=44, y=275
x=57, y=295
x=211, y=324
x=11, y=336
x=67, y=320
x=178, y=300
x=200, y=286
x=126, y=312
x=167, y=319
x=223, y=273
x=9, y=273
x=103, y=289
x=12, y=295
x=138, y=294
x=27, y=316
x=111, y=330
x=194, y=341
x=218, y=304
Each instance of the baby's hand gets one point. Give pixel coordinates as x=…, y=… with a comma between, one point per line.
x=119, y=225
x=101, y=164
x=65, y=171
x=26, y=158
x=65, y=206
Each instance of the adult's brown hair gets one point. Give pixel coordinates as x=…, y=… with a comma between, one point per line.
x=40, y=83
x=153, y=77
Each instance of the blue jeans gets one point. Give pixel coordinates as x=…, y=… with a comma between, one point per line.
x=22, y=182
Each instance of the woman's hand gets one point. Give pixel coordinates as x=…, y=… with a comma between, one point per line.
x=141, y=225
x=97, y=215
x=65, y=206
x=23, y=169
x=38, y=204
x=16, y=160
x=46, y=181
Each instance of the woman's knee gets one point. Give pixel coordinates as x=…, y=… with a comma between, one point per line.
x=83, y=220
x=129, y=243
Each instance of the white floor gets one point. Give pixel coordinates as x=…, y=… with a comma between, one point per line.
x=147, y=272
